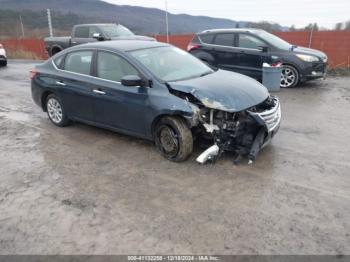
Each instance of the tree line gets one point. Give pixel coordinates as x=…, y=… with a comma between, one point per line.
x=315, y=27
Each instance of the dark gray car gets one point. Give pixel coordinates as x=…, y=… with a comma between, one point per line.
x=245, y=50
x=86, y=33
x=158, y=92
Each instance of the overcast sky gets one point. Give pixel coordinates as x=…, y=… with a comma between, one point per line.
x=298, y=12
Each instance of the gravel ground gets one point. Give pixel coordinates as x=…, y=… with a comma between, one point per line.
x=84, y=190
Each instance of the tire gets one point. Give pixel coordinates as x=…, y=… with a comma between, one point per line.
x=55, y=50
x=55, y=111
x=289, y=76
x=173, y=138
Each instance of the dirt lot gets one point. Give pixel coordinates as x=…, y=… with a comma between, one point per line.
x=83, y=190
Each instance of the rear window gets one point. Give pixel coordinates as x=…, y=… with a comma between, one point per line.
x=78, y=62
x=224, y=39
x=207, y=39
x=82, y=32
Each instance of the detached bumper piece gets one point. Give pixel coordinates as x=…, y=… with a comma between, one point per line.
x=243, y=133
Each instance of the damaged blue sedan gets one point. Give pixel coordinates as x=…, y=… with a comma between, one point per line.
x=158, y=92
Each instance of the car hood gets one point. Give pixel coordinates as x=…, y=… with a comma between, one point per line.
x=310, y=51
x=224, y=90
x=134, y=37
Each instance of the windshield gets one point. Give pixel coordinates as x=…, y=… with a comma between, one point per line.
x=171, y=64
x=116, y=30
x=274, y=40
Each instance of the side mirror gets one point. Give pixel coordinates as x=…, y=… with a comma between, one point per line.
x=132, y=80
x=264, y=49
x=98, y=36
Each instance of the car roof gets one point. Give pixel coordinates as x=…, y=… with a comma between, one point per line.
x=123, y=45
x=95, y=24
x=231, y=30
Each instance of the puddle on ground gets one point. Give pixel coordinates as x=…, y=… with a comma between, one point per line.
x=17, y=116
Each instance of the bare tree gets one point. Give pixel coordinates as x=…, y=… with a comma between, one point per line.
x=347, y=25
x=338, y=26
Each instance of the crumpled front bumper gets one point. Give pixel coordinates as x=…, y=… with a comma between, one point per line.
x=264, y=125
x=271, y=119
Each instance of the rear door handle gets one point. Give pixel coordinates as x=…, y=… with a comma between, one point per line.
x=60, y=83
x=100, y=92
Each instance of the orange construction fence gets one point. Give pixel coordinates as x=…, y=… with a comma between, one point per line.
x=336, y=44
x=33, y=46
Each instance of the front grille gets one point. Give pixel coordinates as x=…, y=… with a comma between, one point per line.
x=319, y=67
x=271, y=117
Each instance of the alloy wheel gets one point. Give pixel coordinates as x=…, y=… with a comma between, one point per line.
x=289, y=77
x=54, y=110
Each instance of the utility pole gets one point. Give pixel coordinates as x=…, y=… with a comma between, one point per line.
x=311, y=33
x=22, y=28
x=166, y=21
x=49, y=21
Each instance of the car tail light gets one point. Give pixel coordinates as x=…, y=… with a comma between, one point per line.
x=191, y=47
x=1, y=47
x=32, y=74
x=276, y=64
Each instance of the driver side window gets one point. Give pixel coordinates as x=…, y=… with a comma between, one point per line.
x=113, y=67
x=251, y=42
x=93, y=30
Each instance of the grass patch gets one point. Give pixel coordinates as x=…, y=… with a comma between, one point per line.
x=21, y=54
x=341, y=71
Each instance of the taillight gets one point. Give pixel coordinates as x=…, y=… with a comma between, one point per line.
x=191, y=47
x=1, y=47
x=32, y=74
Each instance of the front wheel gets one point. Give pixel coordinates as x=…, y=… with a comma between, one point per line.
x=289, y=76
x=173, y=138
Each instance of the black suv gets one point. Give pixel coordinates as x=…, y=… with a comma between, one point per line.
x=245, y=50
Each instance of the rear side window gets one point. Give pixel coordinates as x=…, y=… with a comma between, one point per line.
x=207, y=39
x=58, y=61
x=78, y=62
x=113, y=67
x=195, y=40
x=82, y=32
x=224, y=39
x=249, y=41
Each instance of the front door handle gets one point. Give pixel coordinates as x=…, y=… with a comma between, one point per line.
x=100, y=92
x=60, y=83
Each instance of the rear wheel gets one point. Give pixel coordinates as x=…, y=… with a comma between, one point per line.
x=289, y=76
x=55, y=50
x=55, y=111
x=173, y=139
